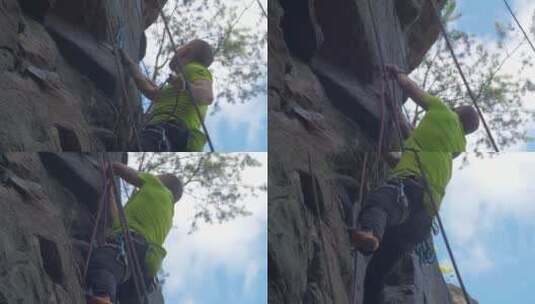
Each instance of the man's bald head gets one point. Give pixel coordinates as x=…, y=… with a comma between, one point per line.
x=196, y=50
x=174, y=184
x=469, y=118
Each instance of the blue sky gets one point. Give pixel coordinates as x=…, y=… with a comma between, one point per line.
x=489, y=216
x=488, y=209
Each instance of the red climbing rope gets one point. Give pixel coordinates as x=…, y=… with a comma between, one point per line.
x=104, y=203
x=139, y=281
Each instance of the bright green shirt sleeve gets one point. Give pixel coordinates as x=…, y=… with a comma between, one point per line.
x=435, y=103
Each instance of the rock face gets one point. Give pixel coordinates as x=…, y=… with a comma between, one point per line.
x=60, y=87
x=457, y=295
x=325, y=103
x=48, y=204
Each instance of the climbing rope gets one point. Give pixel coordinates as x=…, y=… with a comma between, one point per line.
x=465, y=81
x=120, y=72
x=519, y=25
x=362, y=190
x=439, y=219
x=139, y=282
x=103, y=203
x=398, y=123
x=180, y=67
x=383, y=83
x=320, y=230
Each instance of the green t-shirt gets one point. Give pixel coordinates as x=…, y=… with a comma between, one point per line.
x=437, y=137
x=168, y=109
x=149, y=212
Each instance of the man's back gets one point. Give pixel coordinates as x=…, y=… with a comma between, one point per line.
x=149, y=212
x=436, y=138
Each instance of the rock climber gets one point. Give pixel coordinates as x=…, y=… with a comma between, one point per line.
x=149, y=213
x=173, y=123
x=399, y=214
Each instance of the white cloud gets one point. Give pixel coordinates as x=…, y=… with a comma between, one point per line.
x=481, y=197
x=230, y=246
x=250, y=116
x=251, y=274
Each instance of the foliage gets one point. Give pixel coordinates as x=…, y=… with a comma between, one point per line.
x=213, y=182
x=240, y=63
x=499, y=93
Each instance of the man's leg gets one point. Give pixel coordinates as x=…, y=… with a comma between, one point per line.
x=382, y=263
x=399, y=239
x=104, y=274
x=127, y=292
x=382, y=210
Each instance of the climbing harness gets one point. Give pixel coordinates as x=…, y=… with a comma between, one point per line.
x=465, y=81
x=159, y=132
x=118, y=242
x=188, y=85
x=401, y=199
x=320, y=230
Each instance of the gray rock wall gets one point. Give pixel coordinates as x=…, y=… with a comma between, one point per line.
x=324, y=101
x=59, y=83
x=48, y=202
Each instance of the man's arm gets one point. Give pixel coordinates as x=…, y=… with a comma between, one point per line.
x=202, y=91
x=143, y=83
x=405, y=128
x=130, y=175
x=200, y=88
x=408, y=85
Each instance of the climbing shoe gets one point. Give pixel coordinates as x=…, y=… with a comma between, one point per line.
x=364, y=241
x=99, y=300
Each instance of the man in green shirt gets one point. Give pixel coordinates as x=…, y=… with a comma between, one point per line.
x=398, y=215
x=149, y=213
x=173, y=123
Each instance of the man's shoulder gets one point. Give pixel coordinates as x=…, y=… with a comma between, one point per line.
x=435, y=103
x=149, y=179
